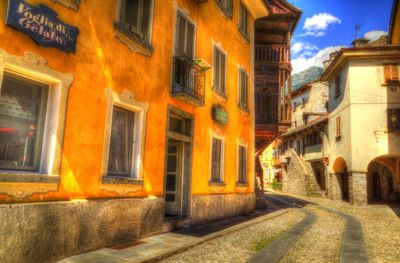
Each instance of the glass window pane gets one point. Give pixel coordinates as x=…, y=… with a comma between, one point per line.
x=171, y=163
x=176, y=124
x=171, y=182
x=132, y=12
x=121, y=142
x=22, y=112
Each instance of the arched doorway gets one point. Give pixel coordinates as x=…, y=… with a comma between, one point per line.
x=340, y=169
x=380, y=182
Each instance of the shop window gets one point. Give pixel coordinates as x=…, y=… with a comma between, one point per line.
x=226, y=6
x=217, y=159
x=135, y=20
x=391, y=73
x=242, y=164
x=219, y=72
x=23, y=106
x=243, y=90
x=243, y=21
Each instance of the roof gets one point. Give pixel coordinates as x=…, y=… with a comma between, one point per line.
x=365, y=52
x=295, y=12
x=314, y=123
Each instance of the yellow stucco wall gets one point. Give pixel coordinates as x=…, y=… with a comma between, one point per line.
x=102, y=61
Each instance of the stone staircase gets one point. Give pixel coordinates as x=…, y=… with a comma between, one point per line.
x=303, y=168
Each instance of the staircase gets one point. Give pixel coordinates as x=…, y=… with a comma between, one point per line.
x=303, y=168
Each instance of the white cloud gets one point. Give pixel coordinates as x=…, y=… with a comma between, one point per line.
x=303, y=49
x=319, y=23
x=304, y=62
x=374, y=34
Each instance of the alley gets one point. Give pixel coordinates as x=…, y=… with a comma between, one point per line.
x=322, y=240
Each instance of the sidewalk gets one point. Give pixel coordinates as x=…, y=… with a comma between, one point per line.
x=158, y=247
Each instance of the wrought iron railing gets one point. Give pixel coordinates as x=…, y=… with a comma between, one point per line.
x=188, y=81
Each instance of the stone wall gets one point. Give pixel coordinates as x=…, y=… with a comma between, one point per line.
x=208, y=208
x=46, y=232
x=358, y=188
x=295, y=176
x=335, y=186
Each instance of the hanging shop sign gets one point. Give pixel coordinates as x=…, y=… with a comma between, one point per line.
x=220, y=115
x=41, y=23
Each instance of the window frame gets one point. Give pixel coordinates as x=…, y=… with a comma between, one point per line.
x=246, y=176
x=222, y=163
x=42, y=119
x=337, y=86
x=215, y=88
x=126, y=101
x=142, y=45
x=243, y=105
x=228, y=10
x=184, y=15
x=244, y=32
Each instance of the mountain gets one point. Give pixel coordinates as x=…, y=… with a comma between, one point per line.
x=309, y=75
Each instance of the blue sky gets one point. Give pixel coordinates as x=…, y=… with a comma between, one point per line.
x=327, y=25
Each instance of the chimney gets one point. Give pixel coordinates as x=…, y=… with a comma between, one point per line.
x=360, y=42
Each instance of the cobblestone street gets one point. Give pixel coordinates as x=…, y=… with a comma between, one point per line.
x=323, y=241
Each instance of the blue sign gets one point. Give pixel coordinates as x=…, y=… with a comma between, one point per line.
x=41, y=23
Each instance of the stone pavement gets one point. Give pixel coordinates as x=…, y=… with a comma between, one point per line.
x=158, y=247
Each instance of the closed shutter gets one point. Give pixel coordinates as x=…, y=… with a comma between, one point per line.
x=190, y=40
x=386, y=69
x=230, y=7
x=146, y=18
x=180, y=43
x=222, y=87
x=217, y=64
x=216, y=160
x=242, y=169
x=395, y=72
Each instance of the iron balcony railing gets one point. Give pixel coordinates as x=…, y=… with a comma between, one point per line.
x=189, y=81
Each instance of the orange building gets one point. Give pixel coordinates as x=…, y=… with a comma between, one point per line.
x=122, y=119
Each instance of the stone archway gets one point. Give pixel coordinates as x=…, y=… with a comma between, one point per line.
x=380, y=181
x=340, y=180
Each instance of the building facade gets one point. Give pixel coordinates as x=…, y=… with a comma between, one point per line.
x=122, y=119
x=304, y=146
x=364, y=95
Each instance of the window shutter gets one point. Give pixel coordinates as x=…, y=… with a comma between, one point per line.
x=386, y=70
x=190, y=40
x=230, y=7
x=132, y=10
x=216, y=160
x=180, y=43
x=395, y=72
x=246, y=90
x=222, y=88
x=337, y=86
x=216, y=67
x=146, y=18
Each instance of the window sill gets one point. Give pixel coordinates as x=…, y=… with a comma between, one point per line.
x=238, y=184
x=21, y=177
x=244, y=110
x=133, y=42
x=219, y=96
x=216, y=183
x=121, y=180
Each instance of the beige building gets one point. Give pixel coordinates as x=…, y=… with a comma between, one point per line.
x=305, y=145
x=364, y=123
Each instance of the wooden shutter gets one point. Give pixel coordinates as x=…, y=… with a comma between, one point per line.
x=180, y=41
x=145, y=23
x=216, y=67
x=132, y=14
x=189, y=40
x=386, y=70
x=230, y=8
x=242, y=164
x=395, y=72
x=338, y=131
x=222, y=72
x=216, y=160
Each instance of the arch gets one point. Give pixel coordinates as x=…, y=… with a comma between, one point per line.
x=339, y=165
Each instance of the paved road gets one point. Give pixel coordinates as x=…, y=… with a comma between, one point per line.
x=313, y=230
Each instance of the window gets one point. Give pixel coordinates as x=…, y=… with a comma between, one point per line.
x=243, y=21
x=219, y=72
x=226, y=6
x=243, y=90
x=135, y=18
x=22, y=119
x=120, y=157
x=391, y=72
x=242, y=166
x=393, y=120
x=184, y=44
x=338, y=127
x=337, y=86
x=124, y=139
x=217, y=155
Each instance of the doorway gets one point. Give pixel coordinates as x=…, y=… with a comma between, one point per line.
x=345, y=186
x=173, y=180
x=178, y=164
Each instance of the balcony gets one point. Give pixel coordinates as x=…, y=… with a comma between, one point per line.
x=188, y=80
x=313, y=152
x=272, y=54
